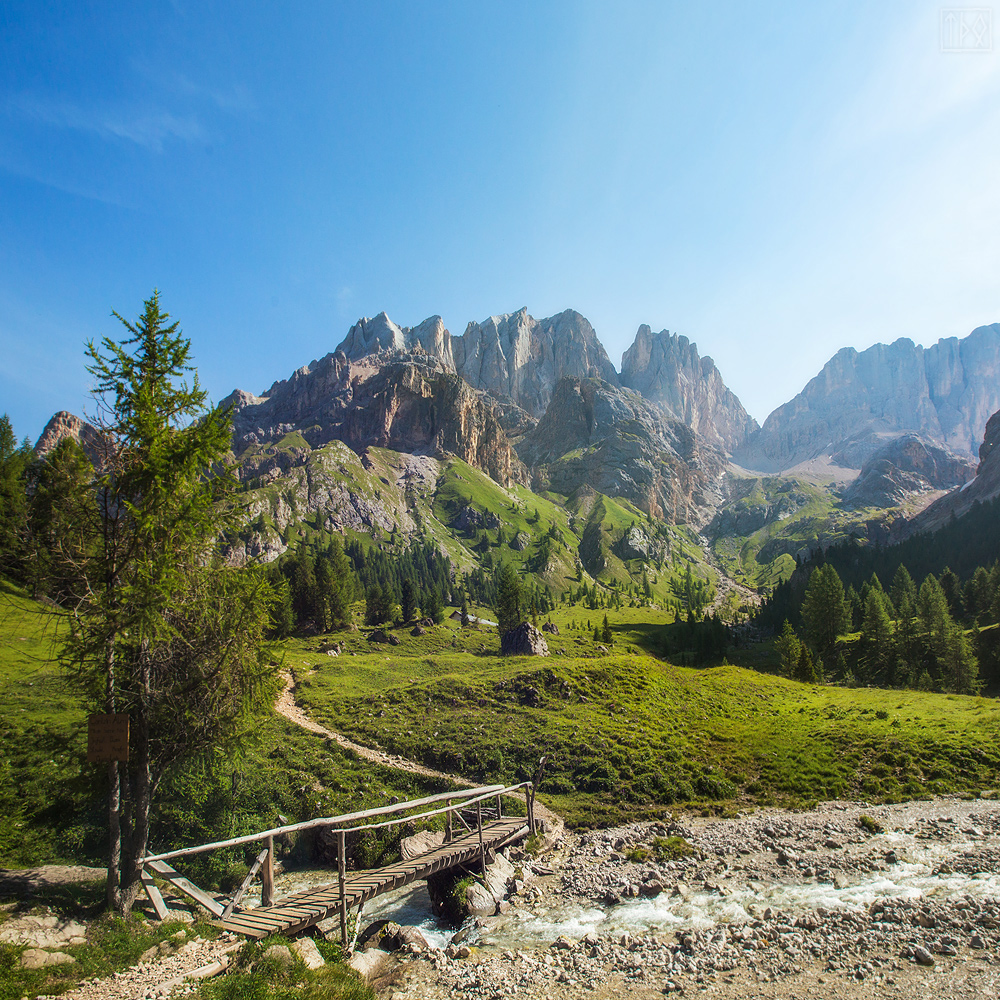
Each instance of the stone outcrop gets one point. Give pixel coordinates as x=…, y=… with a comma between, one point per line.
x=906, y=466
x=66, y=425
x=412, y=405
x=612, y=439
x=945, y=393
x=667, y=369
x=525, y=640
x=521, y=358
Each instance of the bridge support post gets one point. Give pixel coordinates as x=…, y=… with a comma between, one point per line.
x=530, y=809
x=482, y=849
x=499, y=807
x=448, y=833
x=342, y=878
x=267, y=875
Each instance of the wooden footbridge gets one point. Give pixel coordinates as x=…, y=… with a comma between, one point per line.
x=491, y=831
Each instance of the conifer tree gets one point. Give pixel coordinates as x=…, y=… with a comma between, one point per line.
x=509, y=606
x=789, y=648
x=162, y=631
x=14, y=461
x=825, y=614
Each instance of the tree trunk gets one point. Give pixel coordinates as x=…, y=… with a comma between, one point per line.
x=114, y=799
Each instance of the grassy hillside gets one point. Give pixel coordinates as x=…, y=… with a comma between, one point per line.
x=52, y=801
x=628, y=735
x=293, y=494
x=772, y=519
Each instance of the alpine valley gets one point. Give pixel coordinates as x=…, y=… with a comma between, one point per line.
x=520, y=441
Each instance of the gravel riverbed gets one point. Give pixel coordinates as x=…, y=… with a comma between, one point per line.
x=773, y=904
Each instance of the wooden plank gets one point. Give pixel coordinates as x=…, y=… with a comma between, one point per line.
x=178, y=881
x=154, y=894
x=251, y=919
x=238, y=895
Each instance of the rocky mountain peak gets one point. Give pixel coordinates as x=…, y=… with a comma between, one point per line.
x=67, y=425
x=380, y=336
x=667, y=369
x=944, y=393
x=515, y=356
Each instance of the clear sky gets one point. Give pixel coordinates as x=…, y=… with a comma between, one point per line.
x=775, y=181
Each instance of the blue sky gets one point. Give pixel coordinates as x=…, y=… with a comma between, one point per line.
x=775, y=183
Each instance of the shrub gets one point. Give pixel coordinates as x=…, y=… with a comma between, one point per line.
x=873, y=826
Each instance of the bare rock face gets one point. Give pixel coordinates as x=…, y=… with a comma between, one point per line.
x=64, y=424
x=413, y=405
x=667, y=369
x=381, y=336
x=520, y=358
x=985, y=486
x=904, y=467
x=525, y=640
x=614, y=441
x=944, y=393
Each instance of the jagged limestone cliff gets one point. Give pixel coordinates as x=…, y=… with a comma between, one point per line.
x=666, y=368
x=860, y=401
x=618, y=443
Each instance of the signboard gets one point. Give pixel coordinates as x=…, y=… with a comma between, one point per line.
x=107, y=737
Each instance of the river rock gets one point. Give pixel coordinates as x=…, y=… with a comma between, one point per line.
x=306, y=949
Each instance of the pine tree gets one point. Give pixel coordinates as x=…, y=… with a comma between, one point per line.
x=61, y=521
x=509, y=606
x=408, y=600
x=903, y=592
x=788, y=647
x=378, y=605
x=162, y=631
x=14, y=461
x=876, y=639
x=606, y=632
x=825, y=614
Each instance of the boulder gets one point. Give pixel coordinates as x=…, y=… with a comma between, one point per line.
x=306, y=949
x=525, y=640
x=551, y=628
x=420, y=843
x=379, y=635
x=36, y=958
x=418, y=630
x=393, y=639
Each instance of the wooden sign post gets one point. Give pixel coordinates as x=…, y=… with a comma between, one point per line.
x=107, y=737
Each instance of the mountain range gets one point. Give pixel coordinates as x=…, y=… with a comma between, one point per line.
x=536, y=405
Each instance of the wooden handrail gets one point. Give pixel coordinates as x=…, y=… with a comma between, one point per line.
x=473, y=795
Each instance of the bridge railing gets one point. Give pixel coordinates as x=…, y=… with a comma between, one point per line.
x=454, y=802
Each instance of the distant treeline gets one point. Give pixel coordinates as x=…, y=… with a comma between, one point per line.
x=942, y=635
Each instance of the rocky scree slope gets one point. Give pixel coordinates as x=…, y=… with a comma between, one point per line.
x=906, y=466
x=985, y=486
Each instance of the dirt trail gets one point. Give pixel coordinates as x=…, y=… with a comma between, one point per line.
x=286, y=706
